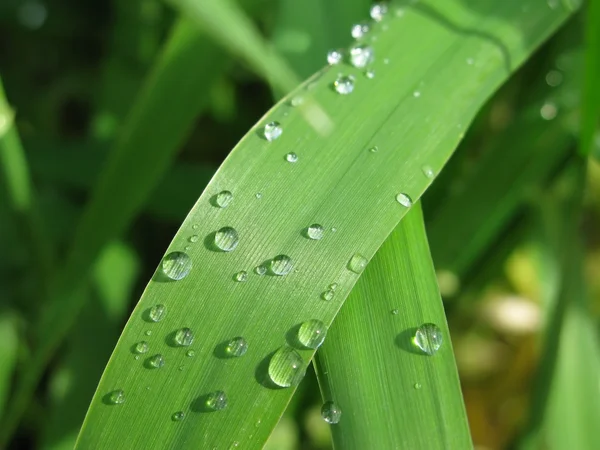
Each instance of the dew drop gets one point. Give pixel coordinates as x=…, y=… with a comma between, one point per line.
x=333, y=286
x=195, y=226
x=193, y=238
x=238, y=346
x=328, y=295
x=272, y=131
x=470, y=61
x=370, y=74
x=374, y=149
x=312, y=333
x=428, y=171
x=548, y=111
x=344, y=85
x=359, y=30
x=334, y=57
x=281, y=265
x=157, y=313
x=315, y=232
x=296, y=101
x=404, y=200
x=148, y=332
x=260, y=270
x=184, y=337
x=395, y=312
x=141, y=347
x=386, y=61
x=178, y=416
x=378, y=11
x=223, y=199
x=116, y=397
x=176, y=265
x=418, y=386
x=216, y=401
x=258, y=195
x=157, y=361
x=361, y=56
x=291, y=157
x=241, y=276
x=286, y=367
x=333, y=229
x=357, y=263
x=190, y=353
x=331, y=413
x=227, y=239
x=428, y=338
x=416, y=94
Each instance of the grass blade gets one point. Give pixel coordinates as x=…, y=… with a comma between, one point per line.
x=9, y=349
x=590, y=100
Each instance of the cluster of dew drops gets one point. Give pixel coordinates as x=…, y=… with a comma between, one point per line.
x=286, y=367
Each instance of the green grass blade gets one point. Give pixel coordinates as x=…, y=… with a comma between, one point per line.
x=336, y=182
x=590, y=114
x=391, y=394
x=9, y=349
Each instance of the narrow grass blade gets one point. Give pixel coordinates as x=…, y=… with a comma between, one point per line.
x=391, y=393
x=590, y=100
x=414, y=113
x=9, y=350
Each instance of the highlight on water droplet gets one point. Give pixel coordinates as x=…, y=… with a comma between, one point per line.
x=428, y=338
x=184, y=337
x=260, y=270
x=291, y=157
x=156, y=362
x=312, y=333
x=428, y=171
x=223, y=199
x=157, y=313
x=227, y=239
x=216, y=401
x=193, y=238
x=361, y=56
x=116, y=397
x=178, y=416
x=272, y=131
x=404, y=200
x=344, y=85
x=286, y=367
x=357, y=263
x=331, y=413
x=238, y=346
x=281, y=265
x=176, y=265
x=141, y=347
x=416, y=94
x=334, y=57
x=359, y=30
x=315, y=232
x=328, y=295
x=241, y=276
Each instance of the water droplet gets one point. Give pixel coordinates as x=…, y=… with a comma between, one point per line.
x=378, y=11
x=176, y=265
x=184, y=337
x=404, y=200
x=315, y=231
x=553, y=4
x=359, y=30
x=312, y=333
x=333, y=286
x=548, y=111
x=258, y=195
x=286, y=367
x=331, y=413
x=234, y=445
x=416, y=94
x=291, y=157
x=395, y=312
x=386, y=61
x=223, y=199
x=428, y=338
x=181, y=368
x=361, y=56
x=227, y=239
x=470, y=61
x=344, y=84
x=333, y=229
x=190, y=353
x=193, y=238
x=334, y=57
x=178, y=416
x=216, y=401
x=157, y=312
x=142, y=347
x=260, y=270
x=148, y=332
x=370, y=74
x=418, y=386
x=241, y=276
x=328, y=295
x=357, y=263
x=136, y=357
x=238, y=346
x=428, y=171
x=296, y=101
x=281, y=265
x=117, y=397
x=374, y=149
x=272, y=131
x=157, y=361
x=195, y=226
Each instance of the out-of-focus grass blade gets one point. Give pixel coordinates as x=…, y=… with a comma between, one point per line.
x=9, y=349
x=590, y=114
x=391, y=394
x=414, y=111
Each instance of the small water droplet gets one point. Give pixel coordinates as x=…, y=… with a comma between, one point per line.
x=395, y=312
x=333, y=229
x=223, y=199
x=291, y=157
x=190, y=353
x=176, y=265
x=386, y=61
x=227, y=239
x=184, y=337
x=157, y=361
x=117, y=397
x=361, y=56
x=181, y=368
x=272, y=131
x=258, y=195
x=136, y=357
x=178, y=416
x=357, y=263
x=296, y=101
x=378, y=11
x=359, y=30
x=148, y=332
x=193, y=238
x=470, y=61
x=315, y=232
x=234, y=445
x=195, y=226
x=370, y=74
x=554, y=78
x=553, y=4
x=216, y=401
x=548, y=111
x=312, y=333
x=281, y=265
x=238, y=346
x=142, y=347
x=187, y=248
x=416, y=94
x=328, y=295
x=404, y=200
x=241, y=276
x=374, y=149
x=428, y=171
x=331, y=413
x=333, y=286
x=344, y=84
x=418, y=386
x=260, y=270
x=334, y=57
x=428, y=338
x=286, y=367
x=157, y=313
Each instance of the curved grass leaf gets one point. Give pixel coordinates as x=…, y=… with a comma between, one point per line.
x=414, y=111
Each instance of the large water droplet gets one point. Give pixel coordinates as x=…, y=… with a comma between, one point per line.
x=178, y=416
x=238, y=346
x=157, y=312
x=378, y=11
x=281, y=265
x=272, y=131
x=157, y=361
x=359, y=30
x=334, y=57
x=344, y=84
x=315, y=231
x=291, y=157
x=176, y=265
x=357, y=263
x=184, y=337
x=428, y=338
x=404, y=200
x=142, y=347
x=216, y=401
x=223, y=199
x=116, y=397
x=227, y=239
x=361, y=56
x=312, y=333
x=286, y=367
x=331, y=413
x=241, y=276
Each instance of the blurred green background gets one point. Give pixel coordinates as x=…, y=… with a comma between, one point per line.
x=71, y=71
